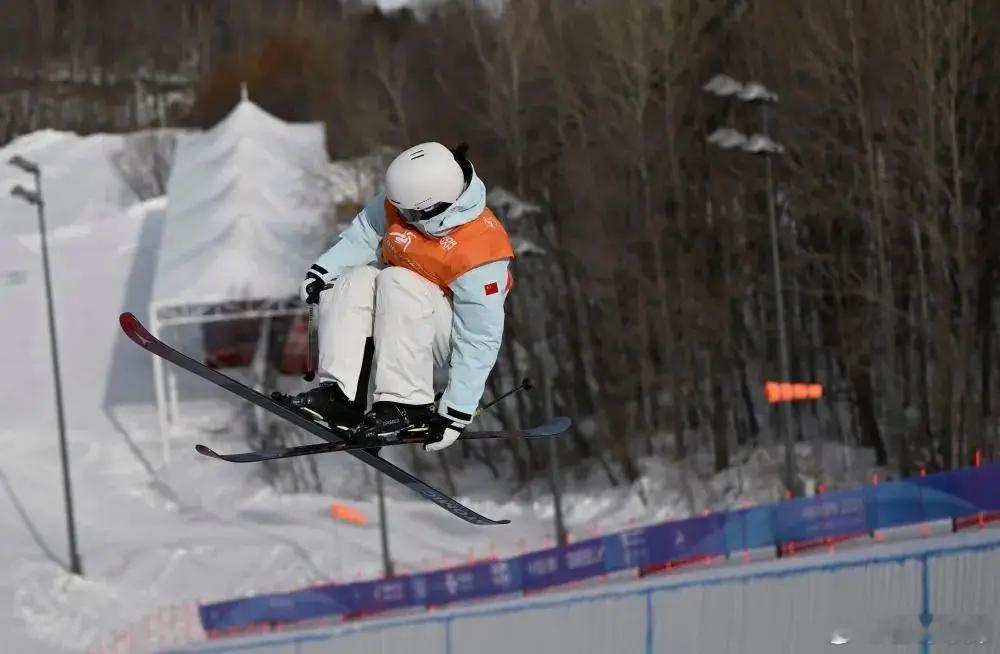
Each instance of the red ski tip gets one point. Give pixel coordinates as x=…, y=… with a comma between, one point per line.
x=134, y=329
x=127, y=322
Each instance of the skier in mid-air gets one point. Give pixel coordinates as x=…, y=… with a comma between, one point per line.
x=423, y=269
x=417, y=281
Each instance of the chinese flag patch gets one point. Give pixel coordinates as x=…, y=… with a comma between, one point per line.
x=491, y=288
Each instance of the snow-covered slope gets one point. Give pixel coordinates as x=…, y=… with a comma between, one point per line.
x=152, y=535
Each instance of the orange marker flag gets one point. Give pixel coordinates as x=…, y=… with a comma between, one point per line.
x=340, y=512
x=789, y=392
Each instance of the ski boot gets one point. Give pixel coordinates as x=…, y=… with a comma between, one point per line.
x=387, y=420
x=326, y=403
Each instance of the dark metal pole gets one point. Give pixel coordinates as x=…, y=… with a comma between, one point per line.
x=74, y=556
x=387, y=570
x=786, y=407
x=311, y=352
x=554, y=473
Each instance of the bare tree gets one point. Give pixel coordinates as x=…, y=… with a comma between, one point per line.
x=145, y=161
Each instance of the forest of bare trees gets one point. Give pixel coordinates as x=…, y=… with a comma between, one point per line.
x=654, y=302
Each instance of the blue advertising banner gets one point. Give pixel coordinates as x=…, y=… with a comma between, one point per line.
x=961, y=493
x=832, y=514
x=900, y=503
x=560, y=565
x=474, y=581
x=380, y=595
x=978, y=485
x=940, y=496
x=627, y=549
x=685, y=539
x=748, y=529
x=298, y=605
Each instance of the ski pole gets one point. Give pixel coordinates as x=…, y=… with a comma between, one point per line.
x=525, y=385
x=310, y=359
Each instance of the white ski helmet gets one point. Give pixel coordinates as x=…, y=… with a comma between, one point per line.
x=424, y=181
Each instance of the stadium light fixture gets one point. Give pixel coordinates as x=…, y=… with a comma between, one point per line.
x=24, y=194
x=27, y=166
x=757, y=93
x=727, y=138
x=723, y=86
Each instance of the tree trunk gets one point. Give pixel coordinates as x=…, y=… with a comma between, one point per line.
x=720, y=425
x=871, y=436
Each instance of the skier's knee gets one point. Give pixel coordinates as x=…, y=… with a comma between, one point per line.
x=362, y=275
x=355, y=283
x=398, y=277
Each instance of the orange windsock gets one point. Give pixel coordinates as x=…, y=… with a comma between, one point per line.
x=789, y=392
x=345, y=514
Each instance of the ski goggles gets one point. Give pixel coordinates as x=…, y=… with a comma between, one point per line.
x=417, y=215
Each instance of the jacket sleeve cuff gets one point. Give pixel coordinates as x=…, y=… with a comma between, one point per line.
x=455, y=415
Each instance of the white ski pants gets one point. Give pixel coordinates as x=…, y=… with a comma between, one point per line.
x=410, y=319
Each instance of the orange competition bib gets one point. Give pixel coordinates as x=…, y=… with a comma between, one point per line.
x=442, y=260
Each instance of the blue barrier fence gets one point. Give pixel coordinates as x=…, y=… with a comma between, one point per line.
x=947, y=495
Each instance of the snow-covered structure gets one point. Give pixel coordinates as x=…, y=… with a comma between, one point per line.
x=243, y=222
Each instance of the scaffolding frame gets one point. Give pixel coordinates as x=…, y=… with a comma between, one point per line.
x=168, y=314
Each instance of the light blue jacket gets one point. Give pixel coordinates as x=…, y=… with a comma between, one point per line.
x=478, y=318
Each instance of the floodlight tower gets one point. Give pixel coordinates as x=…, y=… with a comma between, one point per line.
x=35, y=198
x=763, y=146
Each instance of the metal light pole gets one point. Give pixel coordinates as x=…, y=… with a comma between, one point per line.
x=541, y=350
x=387, y=567
x=786, y=407
x=35, y=198
x=555, y=479
x=762, y=145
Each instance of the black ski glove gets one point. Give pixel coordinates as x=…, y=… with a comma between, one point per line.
x=442, y=431
x=314, y=284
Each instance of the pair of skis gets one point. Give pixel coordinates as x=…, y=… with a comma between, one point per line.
x=552, y=428
x=335, y=441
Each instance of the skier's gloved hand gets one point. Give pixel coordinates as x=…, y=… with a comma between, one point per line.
x=314, y=283
x=444, y=428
